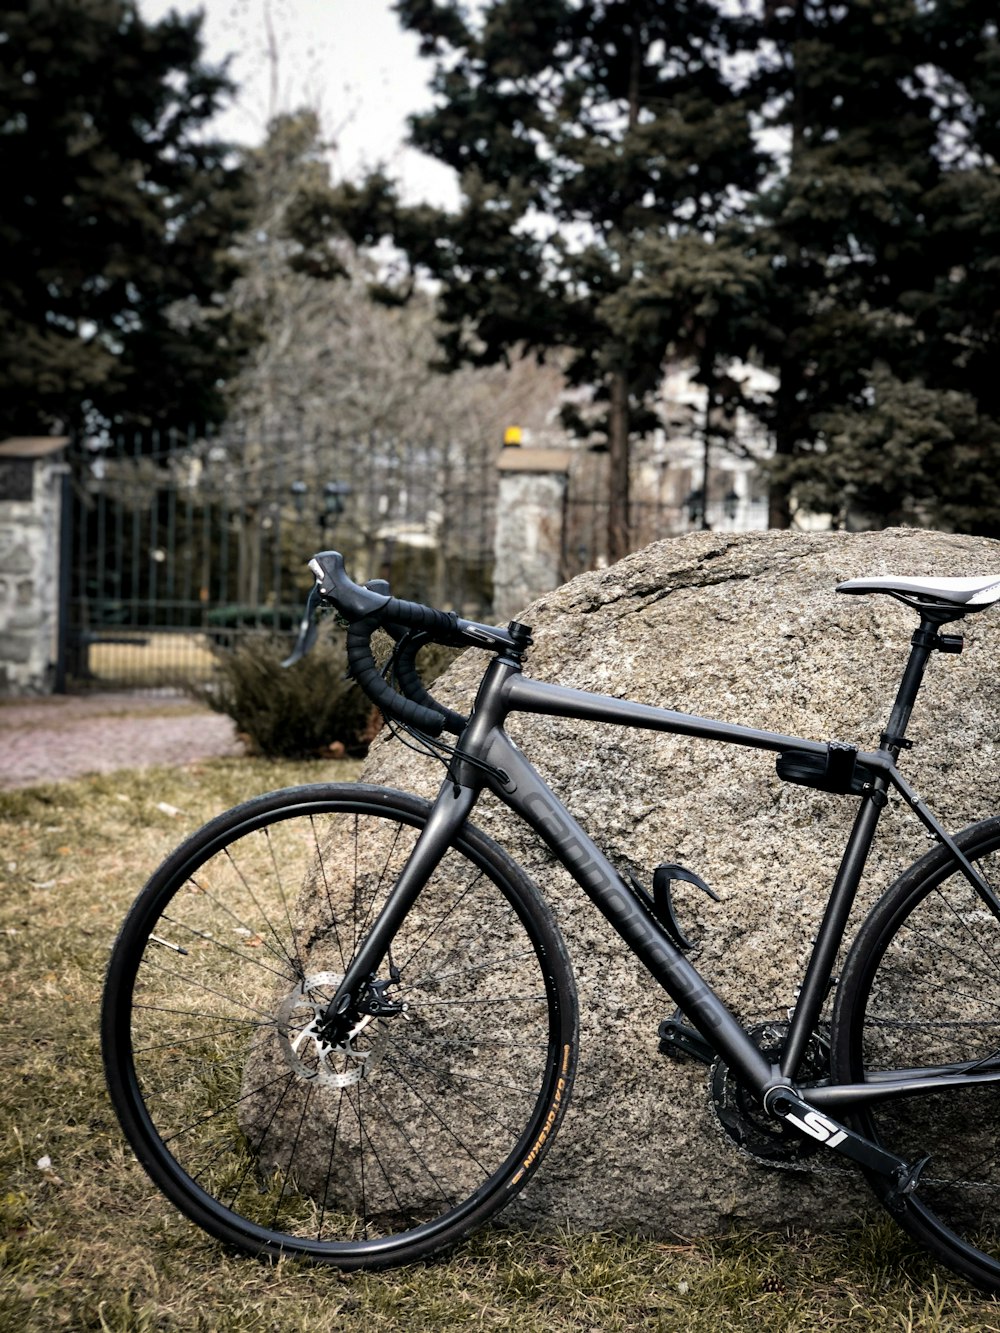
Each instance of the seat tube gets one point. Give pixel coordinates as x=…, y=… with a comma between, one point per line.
x=816, y=983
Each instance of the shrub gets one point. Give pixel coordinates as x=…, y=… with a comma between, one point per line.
x=309, y=710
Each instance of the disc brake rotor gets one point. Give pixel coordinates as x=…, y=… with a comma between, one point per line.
x=309, y=1054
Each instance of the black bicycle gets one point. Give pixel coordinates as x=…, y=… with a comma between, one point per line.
x=340, y=1023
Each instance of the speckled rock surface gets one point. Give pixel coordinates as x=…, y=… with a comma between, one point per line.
x=747, y=629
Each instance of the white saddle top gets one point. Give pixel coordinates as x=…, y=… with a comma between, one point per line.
x=971, y=592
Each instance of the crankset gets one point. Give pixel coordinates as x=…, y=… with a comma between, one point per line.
x=772, y=1141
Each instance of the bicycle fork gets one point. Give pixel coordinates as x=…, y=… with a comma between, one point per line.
x=358, y=992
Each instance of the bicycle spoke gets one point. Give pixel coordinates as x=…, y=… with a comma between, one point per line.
x=439, y=924
x=253, y=1156
x=489, y=1109
x=204, y=1120
x=408, y=1143
x=234, y=1020
x=326, y=891
x=297, y=963
x=440, y=1120
x=329, y=1167
x=280, y=953
x=291, y=1155
x=491, y=965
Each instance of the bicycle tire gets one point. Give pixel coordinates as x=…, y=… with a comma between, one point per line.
x=420, y=1127
x=919, y=989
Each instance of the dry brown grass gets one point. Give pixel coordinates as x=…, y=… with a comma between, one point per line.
x=87, y=1243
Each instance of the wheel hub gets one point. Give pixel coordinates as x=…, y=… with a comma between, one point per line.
x=305, y=1043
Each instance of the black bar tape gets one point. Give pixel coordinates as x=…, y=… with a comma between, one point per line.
x=363, y=669
x=442, y=625
x=415, y=690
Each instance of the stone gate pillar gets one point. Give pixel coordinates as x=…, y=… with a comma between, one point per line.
x=531, y=506
x=32, y=473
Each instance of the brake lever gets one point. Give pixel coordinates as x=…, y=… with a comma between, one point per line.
x=308, y=629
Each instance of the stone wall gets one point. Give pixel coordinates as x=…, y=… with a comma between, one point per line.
x=747, y=629
x=31, y=482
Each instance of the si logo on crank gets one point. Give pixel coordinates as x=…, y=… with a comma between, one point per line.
x=785, y=1105
x=817, y=1126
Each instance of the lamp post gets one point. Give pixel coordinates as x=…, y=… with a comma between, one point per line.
x=335, y=495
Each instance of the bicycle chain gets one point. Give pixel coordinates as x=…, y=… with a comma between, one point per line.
x=810, y=1152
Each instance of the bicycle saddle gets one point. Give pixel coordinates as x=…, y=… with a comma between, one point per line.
x=968, y=594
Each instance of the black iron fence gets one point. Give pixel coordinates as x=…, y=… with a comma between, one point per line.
x=181, y=545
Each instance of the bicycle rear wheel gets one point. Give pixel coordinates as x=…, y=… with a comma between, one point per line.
x=423, y=1122
x=920, y=990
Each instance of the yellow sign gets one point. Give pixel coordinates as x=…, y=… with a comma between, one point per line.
x=511, y=436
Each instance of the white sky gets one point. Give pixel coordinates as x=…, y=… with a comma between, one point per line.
x=347, y=59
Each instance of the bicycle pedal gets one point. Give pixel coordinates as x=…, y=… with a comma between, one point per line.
x=680, y=1041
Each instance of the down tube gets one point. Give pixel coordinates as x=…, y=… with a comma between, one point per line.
x=529, y=796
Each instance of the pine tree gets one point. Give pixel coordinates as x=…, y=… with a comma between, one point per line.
x=884, y=252
x=340, y=388
x=117, y=218
x=587, y=137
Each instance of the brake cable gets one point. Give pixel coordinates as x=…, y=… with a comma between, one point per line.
x=444, y=752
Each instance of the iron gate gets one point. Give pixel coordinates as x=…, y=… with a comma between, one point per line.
x=181, y=546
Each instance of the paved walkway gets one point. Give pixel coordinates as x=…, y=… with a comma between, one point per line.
x=68, y=736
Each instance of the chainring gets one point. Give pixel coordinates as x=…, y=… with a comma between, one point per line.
x=740, y=1113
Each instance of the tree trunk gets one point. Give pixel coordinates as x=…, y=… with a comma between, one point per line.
x=779, y=509
x=619, y=526
x=248, y=557
x=619, y=530
x=708, y=379
x=779, y=514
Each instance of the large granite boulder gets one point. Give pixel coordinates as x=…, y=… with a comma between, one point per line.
x=748, y=629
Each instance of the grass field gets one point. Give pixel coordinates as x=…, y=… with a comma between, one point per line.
x=86, y=1242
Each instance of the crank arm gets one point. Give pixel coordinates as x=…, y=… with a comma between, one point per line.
x=682, y=1041
x=785, y=1105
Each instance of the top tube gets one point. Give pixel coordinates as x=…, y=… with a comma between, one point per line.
x=534, y=696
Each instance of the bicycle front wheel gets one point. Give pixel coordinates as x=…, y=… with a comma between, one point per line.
x=420, y=1123
x=921, y=991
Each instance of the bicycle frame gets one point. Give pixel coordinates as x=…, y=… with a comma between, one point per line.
x=486, y=757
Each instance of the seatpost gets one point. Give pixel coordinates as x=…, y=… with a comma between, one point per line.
x=924, y=641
